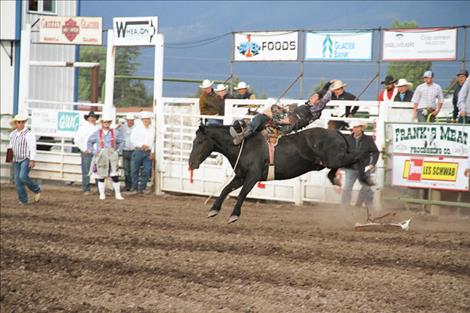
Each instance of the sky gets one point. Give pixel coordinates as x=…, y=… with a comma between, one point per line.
x=185, y=21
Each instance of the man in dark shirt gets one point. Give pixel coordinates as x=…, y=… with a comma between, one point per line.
x=208, y=103
x=365, y=145
x=461, y=77
x=340, y=94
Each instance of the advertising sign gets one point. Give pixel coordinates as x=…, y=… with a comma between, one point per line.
x=135, y=31
x=430, y=172
x=338, y=46
x=419, y=44
x=431, y=139
x=266, y=46
x=71, y=30
x=56, y=123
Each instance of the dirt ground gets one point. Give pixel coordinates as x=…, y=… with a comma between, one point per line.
x=71, y=253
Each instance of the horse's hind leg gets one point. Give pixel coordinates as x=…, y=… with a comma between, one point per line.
x=235, y=183
x=248, y=184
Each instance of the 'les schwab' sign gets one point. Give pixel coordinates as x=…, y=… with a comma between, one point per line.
x=266, y=46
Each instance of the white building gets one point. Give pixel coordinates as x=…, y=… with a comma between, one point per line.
x=53, y=84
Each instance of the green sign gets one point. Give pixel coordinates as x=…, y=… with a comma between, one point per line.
x=68, y=121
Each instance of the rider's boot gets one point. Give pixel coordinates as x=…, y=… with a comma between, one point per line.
x=257, y=121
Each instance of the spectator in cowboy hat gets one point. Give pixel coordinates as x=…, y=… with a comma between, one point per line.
x=81, y=138
x=128, y=149
x=23, y=145
x=464, y=103
x=389, y=93
x=364, y=145
x=208, y=102
x=404, y=93
x=461, y=77
x=428, y=99
x=242, y=92
x=221, y=92
x=340, y=94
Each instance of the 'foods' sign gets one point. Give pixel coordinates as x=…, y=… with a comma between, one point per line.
x=420, y=44
x=266, y=46
x=71, y=30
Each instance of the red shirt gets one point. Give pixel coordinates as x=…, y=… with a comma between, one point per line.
x=389, y=94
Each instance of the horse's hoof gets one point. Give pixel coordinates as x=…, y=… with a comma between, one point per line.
x=212, y=213
x=233, y=219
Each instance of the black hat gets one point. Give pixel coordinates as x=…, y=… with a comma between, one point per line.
x=91, y=114
x=462, y=72
x=389, y=80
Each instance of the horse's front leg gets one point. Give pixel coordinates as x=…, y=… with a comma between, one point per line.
x=248, y=184
x=333, y=178
x=235, y=183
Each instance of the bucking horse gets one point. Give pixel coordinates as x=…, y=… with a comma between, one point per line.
x=312, y=149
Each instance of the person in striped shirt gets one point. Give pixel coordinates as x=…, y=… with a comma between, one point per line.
x=23, y=144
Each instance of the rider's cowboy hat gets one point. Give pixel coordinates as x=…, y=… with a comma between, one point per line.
x=403, y=82
x=337, y=85
x=206, y=84
x=389, y=80
x=241, y=85
x=146, y=114
x=91, y=114
x=220, y=87
x=20, y=117
x=357, y=123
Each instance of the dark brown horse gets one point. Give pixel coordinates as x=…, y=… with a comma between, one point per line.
x=310, y=150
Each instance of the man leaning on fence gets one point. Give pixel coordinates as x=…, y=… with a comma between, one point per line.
x=143, y=140
x=209, y=104
x=464, y=103
x=23, y=145
x=81, y=139
x=427, y=99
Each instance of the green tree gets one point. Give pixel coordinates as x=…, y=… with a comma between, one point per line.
x=127, y=92
x=412, y=71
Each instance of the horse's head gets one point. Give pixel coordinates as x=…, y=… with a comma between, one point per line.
x=203, y=145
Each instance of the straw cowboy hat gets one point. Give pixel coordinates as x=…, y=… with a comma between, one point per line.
x=20, y=117
x=146, y=114
x=403, y=82
x=389, y=80
x=337, y=85
x=91, y=114
x=130, y=116
x=357, y=123
x=241, y=85
x=206, y=84
x=220, y=87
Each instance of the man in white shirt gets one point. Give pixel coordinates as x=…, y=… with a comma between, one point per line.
x=81, y=138
x=126, y=131
x=143, y=140
x=23, y=144
x=427, y=99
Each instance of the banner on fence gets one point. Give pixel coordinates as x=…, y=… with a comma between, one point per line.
x=420, y=44
x=135, y=31
x=431, y=139
x=71, y=30
x=266, y=46
x=338, y=46
x=437, y=172
x=56, y=123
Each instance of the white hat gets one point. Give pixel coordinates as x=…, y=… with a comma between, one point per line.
x=206, y=84
x=241, y=85
x=146, y=114
x=20, y=117
x=130, y=116
x=220, y=87
x=337, y=84
x=403, y=82
x=107, y=117
x=357, y=123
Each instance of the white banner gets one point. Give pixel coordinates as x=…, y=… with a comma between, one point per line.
x=430, y=172
x=135, y=31
x=338, y=46
x=71, y=30
x=56, y=123
x=419, y=44
x=266, y=46
x=431, y=139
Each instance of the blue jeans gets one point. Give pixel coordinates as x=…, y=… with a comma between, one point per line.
x=127, y=164
x=86, y=163
x=366, y=195
x=422, y=118
x=463, y=119
x=140, y=158
x=21, y=170
x=213, y=121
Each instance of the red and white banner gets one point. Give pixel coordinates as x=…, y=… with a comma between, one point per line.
x=419, y=44
x=71, y=30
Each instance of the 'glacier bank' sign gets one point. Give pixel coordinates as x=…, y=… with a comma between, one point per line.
x=338, y=46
